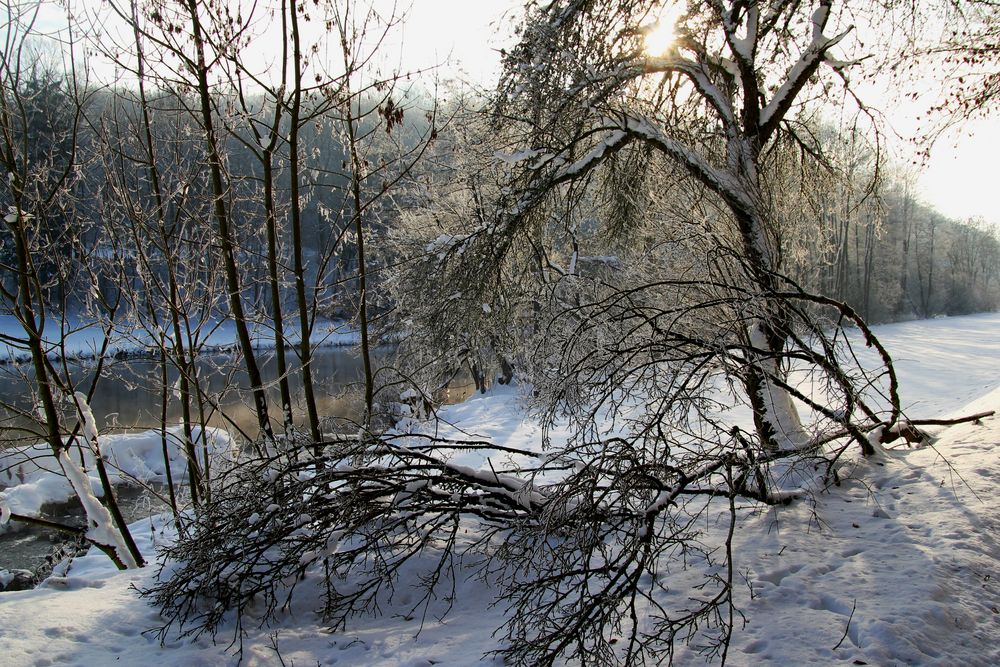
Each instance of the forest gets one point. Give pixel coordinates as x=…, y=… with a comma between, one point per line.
x=639, y=234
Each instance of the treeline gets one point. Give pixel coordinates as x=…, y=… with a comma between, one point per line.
x=79, y=152
x=858, y=232
x=857, y=235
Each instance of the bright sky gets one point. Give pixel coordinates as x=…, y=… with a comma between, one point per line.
x=963, y=175
x=959, y=180
x=469, y=33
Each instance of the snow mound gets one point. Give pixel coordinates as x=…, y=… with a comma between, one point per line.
x=30, y=476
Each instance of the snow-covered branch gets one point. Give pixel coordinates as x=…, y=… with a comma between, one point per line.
x=717, y=180
x=697, y=74
x=812, y=57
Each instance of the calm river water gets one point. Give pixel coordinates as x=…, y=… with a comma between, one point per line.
x=129, y=397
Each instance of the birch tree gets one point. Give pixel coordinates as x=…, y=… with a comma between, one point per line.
x=586, y=86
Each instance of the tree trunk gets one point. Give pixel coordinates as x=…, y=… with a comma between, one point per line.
x=225, y=234
x=275, y=284
x=305, y=323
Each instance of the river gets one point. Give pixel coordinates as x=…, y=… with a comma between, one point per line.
x=129, y=395
x=129, y=398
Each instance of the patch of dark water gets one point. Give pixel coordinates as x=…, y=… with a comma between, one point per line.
x=38, y=549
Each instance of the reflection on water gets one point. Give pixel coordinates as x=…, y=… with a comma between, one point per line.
x=129, y=393
x=129, y=397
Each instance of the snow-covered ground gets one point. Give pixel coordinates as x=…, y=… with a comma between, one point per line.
x=896, y=566
x=32, y=479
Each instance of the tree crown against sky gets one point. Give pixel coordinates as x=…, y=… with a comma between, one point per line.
x=954, y=180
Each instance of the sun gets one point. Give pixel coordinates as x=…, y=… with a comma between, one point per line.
x=662, y=35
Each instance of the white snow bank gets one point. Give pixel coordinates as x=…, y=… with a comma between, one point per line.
x=945, y=363
x=90, y=615
x=30, y=477
x=82, y=338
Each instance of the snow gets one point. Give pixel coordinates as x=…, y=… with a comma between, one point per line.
x=814, y=53
x=83, y=338
x=743, y=47
x=517, y=156
x=612, y=142
x=895, y=566
x=90, y=434
x=909, y=546
x=100, y=525
x=819, y=18
x=28, y=477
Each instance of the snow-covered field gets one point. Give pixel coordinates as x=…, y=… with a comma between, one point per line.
x=894, y=567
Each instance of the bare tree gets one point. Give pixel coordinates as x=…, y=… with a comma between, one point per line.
x=972, y=262
x=46, y=229
x=622, y=243
x=185, y=41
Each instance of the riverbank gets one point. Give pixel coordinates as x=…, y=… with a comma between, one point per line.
x=895, y=566
x=77, y=339
x=31, y=486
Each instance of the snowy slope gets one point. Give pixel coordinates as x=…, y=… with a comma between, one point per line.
x=909, y=548
x=895, y=567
